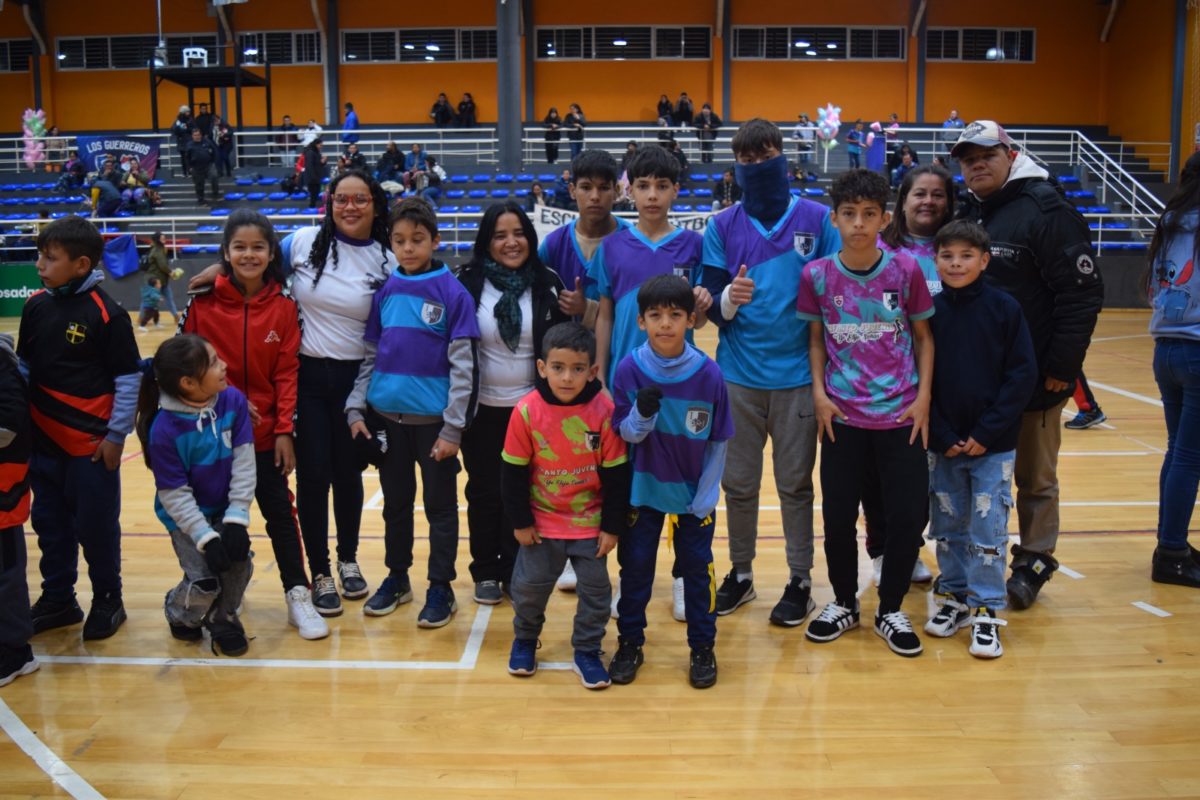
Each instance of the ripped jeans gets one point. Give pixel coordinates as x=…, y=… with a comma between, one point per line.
x=970, y=499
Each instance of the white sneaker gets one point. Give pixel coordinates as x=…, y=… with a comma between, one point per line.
x=616, y=599
x=678, y=609
x=877, y=569
x=303, y=616
x=985, y=635
x=921, y=573
x=566, y=581
x=141, y=328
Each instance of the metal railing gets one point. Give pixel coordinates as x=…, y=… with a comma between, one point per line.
x=270, y=148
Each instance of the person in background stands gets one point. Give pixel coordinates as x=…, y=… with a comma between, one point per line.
x=350, y=125
x=441, y=113
x=707, y=124
x=466, y=111
x=553, y=125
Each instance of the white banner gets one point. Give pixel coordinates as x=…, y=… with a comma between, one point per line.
x=546, y=219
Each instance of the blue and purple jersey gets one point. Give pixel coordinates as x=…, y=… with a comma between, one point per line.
x=871, y=372
x=560, y=251
x=413, y=319
x=196, y=450
x=694, y=410
x=626, y=260
x=765, y=346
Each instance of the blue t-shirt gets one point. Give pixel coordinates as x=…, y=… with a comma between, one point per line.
x=765, y=346
x=627, y=259
x=196, y=450
x=413, y=320
x=560, y=251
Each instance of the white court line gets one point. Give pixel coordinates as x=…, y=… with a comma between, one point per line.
x=54, y=767
x=1105, y=453
x=565, y=666
x=1119, y=338
x=376, y=501
x=467, y=661
x=1070, y=573
x=1152, y=401
x=1149, y=609
x=1063, y=504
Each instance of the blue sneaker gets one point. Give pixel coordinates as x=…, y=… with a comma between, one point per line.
x=392, y=592
x=590, y=670
x=523, y=658
x=439, y=607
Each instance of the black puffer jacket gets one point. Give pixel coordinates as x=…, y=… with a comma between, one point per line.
x=545, y=288
x=1042, y=256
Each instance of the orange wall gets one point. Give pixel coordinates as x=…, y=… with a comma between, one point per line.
x=1191, y=89
x=628, y=91
x=867, y=90
x=404, y=93
x=1139, y=60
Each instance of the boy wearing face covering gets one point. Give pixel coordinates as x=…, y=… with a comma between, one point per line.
x=754, y=253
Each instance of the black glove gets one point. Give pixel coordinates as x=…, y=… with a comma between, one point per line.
x=236, y=541
x=372, y=452
x=217, y=558
x=648, y=398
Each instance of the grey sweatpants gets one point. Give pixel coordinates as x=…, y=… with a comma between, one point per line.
x=1036, y=477
x=538, y=567
x=786, y=416
x=200, y=590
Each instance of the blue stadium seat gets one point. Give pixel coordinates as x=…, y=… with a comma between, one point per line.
x=1065, y=179
x=482, y=177
x=124, y=213
x=442, y=246
x=681, y=207
x=472, y=209
x=525, y=177
x=268, y=211
x=298, y=196
x=459, y=179
x=288, y=212
x=244, y=182
x=277, y=196
x=31, y=187
x=191, y=249
x=231, y=196
x=208, y=228
x=443, y=225
x=13, y=201
x=11, y=187
x=813, y=191
x=685, y=193
x=455, y=194
x=504, y=177
x=59, y=215
x=546, y=176
x=257, y=197
x=701, y=176
x=267, y=181
x=448, y=208
x=499, y=194
x=463, y=246
x=469, y=225
x=521, y=193
x=219, y=212
x=212, y=248
x=478, y=194
x=154, y=184
x=698, y=192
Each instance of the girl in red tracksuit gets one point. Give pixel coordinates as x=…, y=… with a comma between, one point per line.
x=254, y=326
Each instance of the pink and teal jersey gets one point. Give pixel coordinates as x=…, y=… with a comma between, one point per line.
x=871, y=374
x=921, y=250
x=564, y=448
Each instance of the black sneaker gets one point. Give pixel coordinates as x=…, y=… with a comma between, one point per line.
x=734, y=593
x=1027, y=579
x=833, y=621
x=228, y=638
x=353, y=584
x=488, y=593
x=703, y=671
x=1178, y=567
x=795, y=605
x=48, y=614
x=439, y=606
x=325, y=596
x=104, y=618
x=15, y=662
x=185, y=634
x=624, y=666
x=896, y=629
x=1086, y=419
x=394, y=591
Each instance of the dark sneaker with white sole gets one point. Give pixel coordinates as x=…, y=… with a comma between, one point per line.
x=105, y=617
x=624, y=666
x=325, y=597
x=354, y=585
x=48, y=614
x=15, y=662
x=896, y=629
x=488, y=593
x=734, y=593
x=832, y=622
x=394, y=591
x=439, y=607
x=795, y=605
x=1086, y=419
x=1029, y=577
x=702, y=672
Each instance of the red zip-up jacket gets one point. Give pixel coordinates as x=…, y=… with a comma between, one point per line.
x=259, y=340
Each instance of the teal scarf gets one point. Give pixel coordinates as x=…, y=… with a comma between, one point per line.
x=512, y=283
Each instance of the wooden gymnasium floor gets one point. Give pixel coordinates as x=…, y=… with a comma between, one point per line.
x=1096, y=696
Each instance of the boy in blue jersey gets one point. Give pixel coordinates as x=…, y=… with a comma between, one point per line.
x=673, y=409
x=415, y=394
x=754, y=253
x=569, y=249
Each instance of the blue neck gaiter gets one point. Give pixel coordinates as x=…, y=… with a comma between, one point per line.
x=764, y=189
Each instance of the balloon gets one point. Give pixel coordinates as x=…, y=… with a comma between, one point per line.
x=870, y=138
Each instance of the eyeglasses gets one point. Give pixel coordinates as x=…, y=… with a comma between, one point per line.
x=356, y=200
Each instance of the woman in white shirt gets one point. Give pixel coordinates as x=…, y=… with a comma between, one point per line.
x=516, y=301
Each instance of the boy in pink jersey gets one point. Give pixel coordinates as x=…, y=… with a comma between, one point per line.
x=565, y=483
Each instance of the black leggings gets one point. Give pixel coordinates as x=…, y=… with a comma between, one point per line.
x=493, y=546
x=275, y=502
x=325, y=458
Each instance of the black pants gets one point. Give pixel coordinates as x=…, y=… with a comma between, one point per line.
x=493, y=546
x=706, y=151
x=551, y=152
x=16, y=626
x=904, y=489
x=409, y=447
x=314, y=194
x=199, y=176
x=325, y=457
x=874, y=515
x=275, y=502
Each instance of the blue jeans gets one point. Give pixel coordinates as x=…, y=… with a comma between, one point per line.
x=1177, y=371
x=852, y=157
x=637, y=552
x=970, y=501
x=432, y=194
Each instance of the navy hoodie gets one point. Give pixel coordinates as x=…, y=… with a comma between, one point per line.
x=984, y=368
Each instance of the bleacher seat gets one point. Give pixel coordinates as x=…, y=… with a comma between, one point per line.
x=268, y=211
x=298, y=196
x=208, y=228
x=499, y=194
x=521, y=193
x=478, y=194
x=681, y=207
x=700, y=192
x=455, y=194
x=443, y=225
x=219, y=212
x=154, y=184
x=244, y=182
x=1081, y=194
x=813, y=191
x=463, y=246
x=459, y=179
x=257, y=197
x=525, y=177
x=234, y=196
x=288, y=212
x=504, y=177
x=700, y=176
x=275, y=197
x=212, y=248
x=685, y=193
x=469, y=225
x=547, y=177
x=481, y=177
x=267, y=181
x=448, y=208
x=472, y=209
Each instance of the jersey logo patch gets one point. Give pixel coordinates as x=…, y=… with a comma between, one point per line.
x=804, y=242
x=432, y=313
x=272, y=337
x=76, y=332
x=891, y=301
x=593, y=440
x=227, y=439
x=697, y=420
x=682, y=271
x=1085, y=265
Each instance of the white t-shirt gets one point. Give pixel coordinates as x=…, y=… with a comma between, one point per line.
x=335, y=311
x=504, y=376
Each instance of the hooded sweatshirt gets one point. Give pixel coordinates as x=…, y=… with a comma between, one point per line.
x=1175, y=286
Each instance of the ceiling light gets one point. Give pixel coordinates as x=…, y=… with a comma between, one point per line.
x=802, y=43
x=810, y=52
x=429, y=58
x=619, y=42
x=410, y=47
x=551, y=52
x=433, y=48
x=250, y=51
x=831, y=46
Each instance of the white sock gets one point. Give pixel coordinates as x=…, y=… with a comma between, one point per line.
x=745, y=576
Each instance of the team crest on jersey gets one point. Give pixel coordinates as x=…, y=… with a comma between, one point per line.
x=839, y=300
x=593, y=440
x=1084, y=264
x=804, y=242
x=682, y=271
x=227, y=439
x=432, y=313
x=891, y=301
x=272, y=337
x=697, y=419
x=76, y=332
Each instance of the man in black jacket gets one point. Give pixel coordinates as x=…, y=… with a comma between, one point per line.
x=1041, y=254
x=202, y=159
x=181, y=129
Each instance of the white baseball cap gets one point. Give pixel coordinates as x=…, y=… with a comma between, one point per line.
x=982, y=132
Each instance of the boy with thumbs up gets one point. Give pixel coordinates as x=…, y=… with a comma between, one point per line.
x=754, y=253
